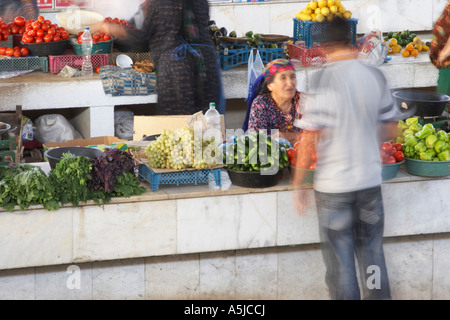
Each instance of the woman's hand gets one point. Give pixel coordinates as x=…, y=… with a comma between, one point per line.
x=114, y=30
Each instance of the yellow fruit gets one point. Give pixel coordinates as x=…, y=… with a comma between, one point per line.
x=337, y=3
x=304, y=17
x=325, y=11
x=307, y=10
x=425, y=48
x=392, y=42
x=347, y=14
x=418, y=46
x=330, y=17
x=416, y=40
x=313, y=5
x=317, y=11
x=321, y=3
x=397, y=48
x=333, y=9
x=341, y=9
x=320, y=18
x=405, y=53
x=330, y=3
x=414, y=53
x=409, y=47
x=313, y=17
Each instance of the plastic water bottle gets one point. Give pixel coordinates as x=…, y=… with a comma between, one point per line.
x=86, y=45
x=212, y=117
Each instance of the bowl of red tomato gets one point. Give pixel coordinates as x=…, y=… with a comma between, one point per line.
x=101, y=43
x=43, y=38
x=392, y=157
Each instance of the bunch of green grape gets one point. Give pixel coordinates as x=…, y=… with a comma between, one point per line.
x=181, y=149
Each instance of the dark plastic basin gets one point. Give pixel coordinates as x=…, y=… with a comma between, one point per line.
x=427, y=104
x=253, y=179
x=55, y=155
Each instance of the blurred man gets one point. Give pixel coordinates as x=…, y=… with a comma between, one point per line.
x=9, y=9
x=341, y=117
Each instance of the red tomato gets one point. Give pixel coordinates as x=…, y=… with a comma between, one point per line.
x=27, y=38
x=106, y=37
x=17, y=53
x=24, y=52
x=79, y=40
x=20, y=21
x=39, y=39
x=64, y=35
x=2, y=51
x=96, y=37
x=56, y=38
x=51, y=31
x=36, y=25
x=48, y=38
x=9, y=52
x=97, y=69
x=40, y=33
x=398, y=147
x=291, y=153
x=399, y=156
x=388, y=148
x=5, y=34
x=389, y=160
x=49, y=22
x=32, y=33
x=45, y=26
x=4, y=26
x=28, y=23
x=41, y=19
x=15, y=30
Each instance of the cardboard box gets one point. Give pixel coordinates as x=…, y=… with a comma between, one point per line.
x=98, y=142
x=150, y=125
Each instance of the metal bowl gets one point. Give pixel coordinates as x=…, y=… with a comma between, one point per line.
x=427, y=104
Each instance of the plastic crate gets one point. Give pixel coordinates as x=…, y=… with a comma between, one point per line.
x=179, y=177
x=57, y=63
x=311, y=32
x=7, y=43
x=308, y=57
x=269, y=54
x=233, y=55
x=24, y=63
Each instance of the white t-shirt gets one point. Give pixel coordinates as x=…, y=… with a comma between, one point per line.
x=347, y=100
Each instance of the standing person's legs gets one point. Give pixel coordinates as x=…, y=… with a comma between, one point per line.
x=335, y=214
x=369, y=230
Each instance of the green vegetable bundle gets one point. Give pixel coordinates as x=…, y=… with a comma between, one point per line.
x=256, y=151
x=424, y=142
x=26, y=185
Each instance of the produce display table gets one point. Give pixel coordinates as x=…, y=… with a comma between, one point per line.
x=44, y=91
x=206, y=242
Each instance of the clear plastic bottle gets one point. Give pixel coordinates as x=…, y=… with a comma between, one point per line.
x=212, y=117
x=86, y=45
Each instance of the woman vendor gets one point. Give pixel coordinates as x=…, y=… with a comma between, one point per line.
x=185, y=58
x=277, y=104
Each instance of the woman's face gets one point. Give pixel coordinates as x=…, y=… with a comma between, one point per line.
x=284, y=85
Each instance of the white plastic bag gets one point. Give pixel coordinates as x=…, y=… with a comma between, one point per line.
x=371, y=48
x=255, y=69
x=54, y=128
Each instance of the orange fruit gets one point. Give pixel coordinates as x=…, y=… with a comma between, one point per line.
x=409, y=47
x=415, y=53
x=405, y=53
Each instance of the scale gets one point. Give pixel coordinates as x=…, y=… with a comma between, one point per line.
x=8, y=145
x=436, y=121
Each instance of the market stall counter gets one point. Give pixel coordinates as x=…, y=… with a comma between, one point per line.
x=205, y=242
x=45, y=91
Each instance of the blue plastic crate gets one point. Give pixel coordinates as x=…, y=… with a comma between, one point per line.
x=179, y=177
x=24, y=63
x=311, y=32
x=269, y=54
x=233, y=55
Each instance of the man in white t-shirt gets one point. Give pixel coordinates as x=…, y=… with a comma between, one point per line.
x=348, y=102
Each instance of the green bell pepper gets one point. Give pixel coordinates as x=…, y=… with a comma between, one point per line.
x=411, y=121
x=411, y=141
x=409, y=152
x=408, y=132
x=416, y=127
x=440, y=146
x=420, y=147
x=441, y=135
x=402, y=125
x=444, y=155
x=427, y=130
x=430, y=141
x=427, y=155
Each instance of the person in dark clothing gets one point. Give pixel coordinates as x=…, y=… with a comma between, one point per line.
x=186, y=61
x=9, y=9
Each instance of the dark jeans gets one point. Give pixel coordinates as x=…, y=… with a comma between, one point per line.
x=352, y=224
